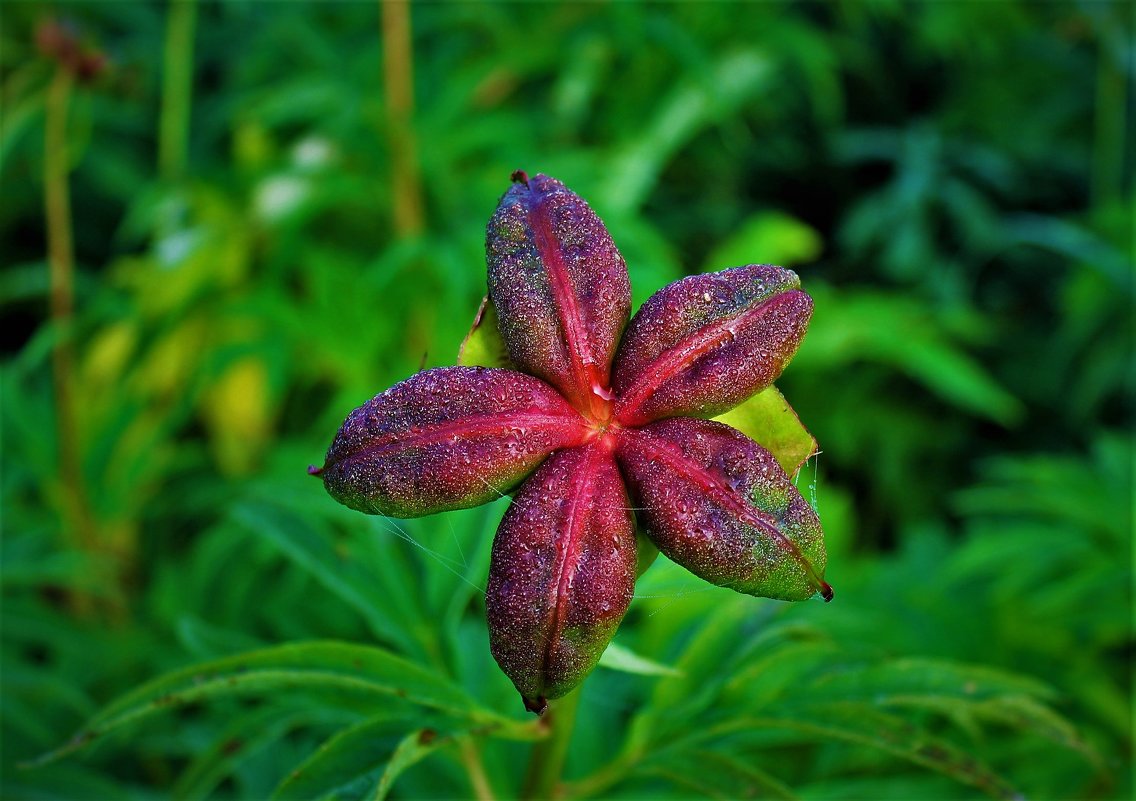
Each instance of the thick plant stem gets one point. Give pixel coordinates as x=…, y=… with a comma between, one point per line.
x=61, y=266
x=398, y=83
x=546, y=764
x=177, y=89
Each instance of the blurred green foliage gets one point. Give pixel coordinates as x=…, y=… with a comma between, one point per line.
x=952, y=180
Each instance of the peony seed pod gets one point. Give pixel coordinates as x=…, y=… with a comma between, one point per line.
x=717, y=503
x=447, y=438
x=706, y=343
x=562, y=573
x=559, y=286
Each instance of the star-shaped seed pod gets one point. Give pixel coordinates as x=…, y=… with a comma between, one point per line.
x=601, y=428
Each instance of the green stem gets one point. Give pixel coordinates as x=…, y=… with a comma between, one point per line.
x=546, y=764
x=177, y=89
x=398, y=83
x=1108, y=133
x=475, y=770
x=61, y=271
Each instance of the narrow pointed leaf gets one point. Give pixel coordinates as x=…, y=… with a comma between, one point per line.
x=716, y=775
x=366, y=573
x=559, y=286
x=616, y=657
x=861, y=724
x=354, y=676
x=414, y=747
x=344, y=758
x=718, y=504
x=241, y=739
x=562, y=573
x=706, y=343
x=447, y=438
x=377, y=744
x=769, y=420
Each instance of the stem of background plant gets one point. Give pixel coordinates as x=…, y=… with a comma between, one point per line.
x=1108, y=127
x=546, y=764
x=78, y=518
x=177, y=89
x=398, y=83
x=475, y=769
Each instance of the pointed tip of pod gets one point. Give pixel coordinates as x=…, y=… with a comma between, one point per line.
x=538, y=705
x=826, y=591
x=315, y=471
x=519, y=177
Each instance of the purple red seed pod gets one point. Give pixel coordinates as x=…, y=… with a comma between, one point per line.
x=568, y=550
x=562, y=573
x=447, y=438
x=706, y=343
x=718, y=504
x=560, y=288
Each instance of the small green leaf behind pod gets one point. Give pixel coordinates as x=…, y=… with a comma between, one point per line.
x=483, y=346
x=769, y=420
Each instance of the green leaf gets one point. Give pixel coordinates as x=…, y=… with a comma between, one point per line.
x=769, y=237
x=240, y=739
x=483, y=345
x=616, y=657
x=966, y=694
x=354, y=676
x=776, y=672
x=344, y=758
x=378, y=597
x=864, y=725
x=920, y=676
x=853, y=326
x=716, y=775
x=379, y=743
x=769, y=420
x=687, y=107
x=414, y=747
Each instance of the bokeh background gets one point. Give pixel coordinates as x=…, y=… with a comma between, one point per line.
x=277, y=210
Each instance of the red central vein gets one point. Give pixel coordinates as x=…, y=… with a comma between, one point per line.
x=729, y=499
x=479, y=426
x=569, y=547
x=681, y=355
x=579, y=351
